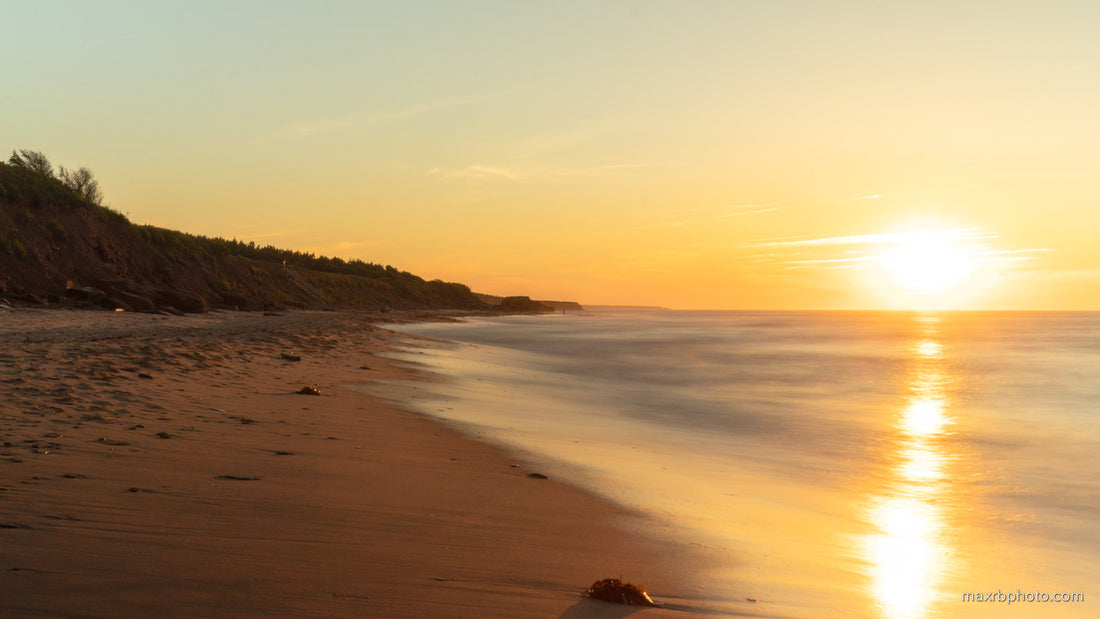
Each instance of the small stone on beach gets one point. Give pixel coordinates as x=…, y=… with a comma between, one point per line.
x=112, y=442
x=307, y=390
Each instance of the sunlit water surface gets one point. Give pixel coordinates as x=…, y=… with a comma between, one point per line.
x=878, y=464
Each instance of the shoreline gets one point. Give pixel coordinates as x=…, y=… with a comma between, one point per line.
x=159, y=464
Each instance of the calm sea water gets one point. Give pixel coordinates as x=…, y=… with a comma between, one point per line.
x=878, y=464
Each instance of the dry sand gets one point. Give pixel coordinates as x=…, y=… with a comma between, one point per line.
x=159, y=466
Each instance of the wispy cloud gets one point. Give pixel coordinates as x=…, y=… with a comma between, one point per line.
x=359, y=120
x=884, y=238
x=1010, y=255
x=751, y=211
x=849, y=250
x=874, y=196
x=844, y=262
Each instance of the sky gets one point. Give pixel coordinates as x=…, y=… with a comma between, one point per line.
x=687, y=154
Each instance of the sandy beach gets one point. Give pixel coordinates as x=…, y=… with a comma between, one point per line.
x=165, y=466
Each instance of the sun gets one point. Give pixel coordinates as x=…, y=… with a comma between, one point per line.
x=927, y=262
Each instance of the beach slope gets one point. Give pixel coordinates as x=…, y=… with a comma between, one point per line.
x=167, y=466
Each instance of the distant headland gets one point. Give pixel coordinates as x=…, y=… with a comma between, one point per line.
x=60, y=246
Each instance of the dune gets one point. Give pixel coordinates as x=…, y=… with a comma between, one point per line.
x=169, y=466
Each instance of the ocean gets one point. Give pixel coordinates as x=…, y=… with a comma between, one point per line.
x=845, y=464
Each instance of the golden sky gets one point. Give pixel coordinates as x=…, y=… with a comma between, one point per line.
x=770, y=154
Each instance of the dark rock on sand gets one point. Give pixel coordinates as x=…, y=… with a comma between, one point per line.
x=188, y=302
x=136, y=302
x=537, y=476
x=618, y=592
x=307, y=390
x=87, y=295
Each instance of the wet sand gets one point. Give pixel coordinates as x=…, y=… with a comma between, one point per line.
x=166, y=466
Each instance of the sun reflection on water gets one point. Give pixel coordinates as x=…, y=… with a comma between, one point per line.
x=929, y=348
x=920, y=464
x=907, y=551
x=924, y=417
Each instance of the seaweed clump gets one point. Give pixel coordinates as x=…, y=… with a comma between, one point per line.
x=617, y=592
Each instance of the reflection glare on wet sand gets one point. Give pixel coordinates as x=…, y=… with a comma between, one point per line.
x=907, y=552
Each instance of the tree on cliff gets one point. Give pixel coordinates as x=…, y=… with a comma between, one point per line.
x=82, y=182
x=32, y=160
